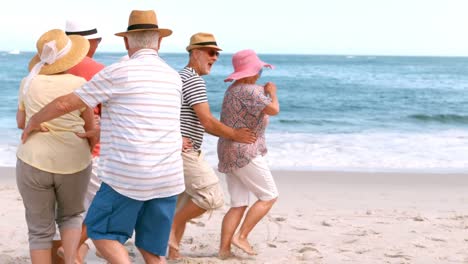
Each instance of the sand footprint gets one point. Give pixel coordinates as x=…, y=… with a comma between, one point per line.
x=397, y=255
x=309, y=254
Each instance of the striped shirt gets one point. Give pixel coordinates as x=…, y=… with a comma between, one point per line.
x=193, y=92
x=140, y=126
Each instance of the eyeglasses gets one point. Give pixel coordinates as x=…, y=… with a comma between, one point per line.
x=212, y=52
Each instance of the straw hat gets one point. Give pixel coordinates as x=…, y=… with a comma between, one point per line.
x=246, y=63
x=73, y=27
x=78, y=49
x=142, y=21
x=202, y=40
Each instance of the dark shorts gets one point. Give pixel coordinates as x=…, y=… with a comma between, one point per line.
x=113, y=216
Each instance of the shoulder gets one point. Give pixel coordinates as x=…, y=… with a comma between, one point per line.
x=95, y=64
x=191, y=79
x=246, y=88
x=188, y=73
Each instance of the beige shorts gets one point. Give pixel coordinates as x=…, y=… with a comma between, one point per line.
x=49, y=198
x=255, y=177
x=201, y=182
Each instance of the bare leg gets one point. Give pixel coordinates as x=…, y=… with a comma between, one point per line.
x=150, y=258
x=112, y=251
x=189, y=211
x=56, y=245
x=39, y=256
x=231, y=221
x=70, y=241
x=81, y=254
x=258, y=210
x=58, y=253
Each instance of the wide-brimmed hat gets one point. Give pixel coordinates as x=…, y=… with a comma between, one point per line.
x=202, y=40
x=74, y=27
x=57, y=52
x=246, y=63
x=143, y=21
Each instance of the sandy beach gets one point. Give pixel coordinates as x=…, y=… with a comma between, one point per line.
x=320, y=217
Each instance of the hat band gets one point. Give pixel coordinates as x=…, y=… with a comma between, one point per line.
x=141, y=26
x=82, y=33
x=205, y=43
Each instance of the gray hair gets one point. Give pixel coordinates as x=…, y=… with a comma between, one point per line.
x=143, y=39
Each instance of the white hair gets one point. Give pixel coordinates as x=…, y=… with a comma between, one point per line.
x=143, y=39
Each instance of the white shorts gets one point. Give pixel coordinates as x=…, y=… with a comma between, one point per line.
x=254, y=178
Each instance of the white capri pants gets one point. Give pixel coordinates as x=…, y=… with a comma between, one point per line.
x=254, y=178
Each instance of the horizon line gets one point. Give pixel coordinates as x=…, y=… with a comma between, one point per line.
x=292, y=54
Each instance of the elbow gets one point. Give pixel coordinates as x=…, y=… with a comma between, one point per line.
x=207, y=125
x=21, y=126
x=275, y=111
x=62, y=106
x=271, y=111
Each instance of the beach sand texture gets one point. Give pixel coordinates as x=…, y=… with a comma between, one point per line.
x=320, y=217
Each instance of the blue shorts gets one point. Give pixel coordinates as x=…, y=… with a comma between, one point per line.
x=113, y=216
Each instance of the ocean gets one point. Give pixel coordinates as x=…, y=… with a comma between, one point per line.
x=342, y=113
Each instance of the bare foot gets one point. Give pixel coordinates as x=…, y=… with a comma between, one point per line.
x=173, y=253
x=243, y=244
x=222, y=254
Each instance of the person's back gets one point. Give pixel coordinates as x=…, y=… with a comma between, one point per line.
x=53, y=166
x=140, y=128
x=46, y=150
x=242, y=107
x=246, y=104
x=87, y=68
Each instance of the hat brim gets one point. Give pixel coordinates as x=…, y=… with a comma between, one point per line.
x=191, y=47
x=247, y=73
x=78, y=51
x=163, y=32
x=93, y=36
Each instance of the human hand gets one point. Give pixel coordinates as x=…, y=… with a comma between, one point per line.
x=244, y=135
x=31, y=127
x=93, y=136
x=270, y=88
x=186, y=144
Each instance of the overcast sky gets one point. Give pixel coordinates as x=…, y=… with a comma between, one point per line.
x=374, y=27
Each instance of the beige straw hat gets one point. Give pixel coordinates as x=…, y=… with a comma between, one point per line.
x=77, y=51
x=202, y=40
x=142, y=21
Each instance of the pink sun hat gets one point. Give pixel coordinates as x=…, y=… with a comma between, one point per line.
x=246, y=63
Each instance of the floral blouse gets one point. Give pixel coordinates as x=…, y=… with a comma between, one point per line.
x=243, y=107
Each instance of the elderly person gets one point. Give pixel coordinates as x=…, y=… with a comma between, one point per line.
x=246, y=104
x=140, y=162
x=53, y=167
x=202, y=189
